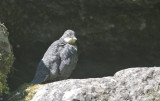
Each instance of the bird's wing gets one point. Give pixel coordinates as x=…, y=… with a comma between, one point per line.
x=42, y=73
x=48, y=67
x=69, y=60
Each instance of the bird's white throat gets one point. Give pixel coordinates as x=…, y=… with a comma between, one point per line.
x=67, y=39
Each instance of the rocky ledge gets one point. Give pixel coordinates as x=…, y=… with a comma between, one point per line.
x=133, y=84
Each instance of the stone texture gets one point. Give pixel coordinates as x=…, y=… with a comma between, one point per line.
x=133, y=84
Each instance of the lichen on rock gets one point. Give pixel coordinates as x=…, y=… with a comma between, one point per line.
x=24, y=93
x=6, y=58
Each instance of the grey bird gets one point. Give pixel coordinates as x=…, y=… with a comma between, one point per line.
x=59, y=60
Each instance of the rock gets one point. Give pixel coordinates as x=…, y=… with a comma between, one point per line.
x=133, y=84
x=138, y=84
x=6, y=58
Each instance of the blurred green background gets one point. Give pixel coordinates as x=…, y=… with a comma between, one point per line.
x=112, y=34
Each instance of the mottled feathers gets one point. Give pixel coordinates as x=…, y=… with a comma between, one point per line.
x=59, y=60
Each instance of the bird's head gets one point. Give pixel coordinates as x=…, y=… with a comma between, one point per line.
x=69, y=37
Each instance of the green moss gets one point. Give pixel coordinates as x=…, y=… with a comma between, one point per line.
x=6, y=59
x=31, y=90
x=4, y=29
x=24, y=93
x=3, y=85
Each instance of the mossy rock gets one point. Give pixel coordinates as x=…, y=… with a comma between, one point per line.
x=6, y=59
x=24, y=93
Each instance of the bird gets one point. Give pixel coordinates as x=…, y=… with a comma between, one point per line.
x=59, y=60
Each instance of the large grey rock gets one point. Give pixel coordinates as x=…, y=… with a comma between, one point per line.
x=133, y=84
x=137, y=84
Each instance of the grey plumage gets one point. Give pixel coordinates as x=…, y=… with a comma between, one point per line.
x=59, y=60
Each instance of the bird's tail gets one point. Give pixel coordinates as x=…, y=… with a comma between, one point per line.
x=36, y=81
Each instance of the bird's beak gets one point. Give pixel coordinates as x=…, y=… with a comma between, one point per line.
x=73, y=40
